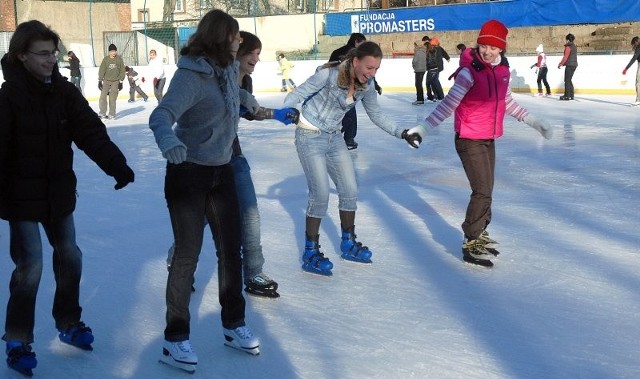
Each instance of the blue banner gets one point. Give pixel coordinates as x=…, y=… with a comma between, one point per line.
x=514, y=13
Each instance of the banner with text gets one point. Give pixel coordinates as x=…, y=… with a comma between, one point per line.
x=515, y=13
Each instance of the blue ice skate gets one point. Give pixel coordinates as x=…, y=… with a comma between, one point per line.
x=21, y=358
x=78, y=335
x=313, y=260
x=351, y=249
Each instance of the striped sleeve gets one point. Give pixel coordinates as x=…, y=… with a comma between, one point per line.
x=462, y=85
x=513, y=109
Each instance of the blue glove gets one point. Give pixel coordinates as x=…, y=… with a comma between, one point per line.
x=286, y=115
x=176, y=155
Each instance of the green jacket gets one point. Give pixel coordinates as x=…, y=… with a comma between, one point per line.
x=111, y=69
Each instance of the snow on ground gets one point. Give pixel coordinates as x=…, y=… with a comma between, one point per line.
x=561, y=302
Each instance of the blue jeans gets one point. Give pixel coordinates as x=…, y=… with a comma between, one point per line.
x=26, y=253
x=252, y=258
x=75, y=80
x=350, y=125
x=323, y=156
x=194, y=192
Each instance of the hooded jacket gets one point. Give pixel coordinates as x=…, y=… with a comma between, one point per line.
x=203, y=99
x=40, y=121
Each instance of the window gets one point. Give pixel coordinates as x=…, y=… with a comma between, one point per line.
x=143, y=15
x=179, y=6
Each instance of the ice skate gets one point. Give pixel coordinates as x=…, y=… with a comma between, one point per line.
x=21, y=358
x=351, y=249
x=180, y=355
x=313, y=260
x=474, y=252
x=262, y=285
x=78, y=335
x=242, y=338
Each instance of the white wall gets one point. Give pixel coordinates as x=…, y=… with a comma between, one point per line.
x=595, y=74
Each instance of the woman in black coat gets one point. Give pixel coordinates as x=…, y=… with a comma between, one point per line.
x=42, y=115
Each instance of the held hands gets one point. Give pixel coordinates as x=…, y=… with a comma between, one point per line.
x=155, y=82
x=542, y=126
x=413, y=136
x=624, y=72
x=100, y=85
x=287, y=115
x=123, y=177
x=120, y=86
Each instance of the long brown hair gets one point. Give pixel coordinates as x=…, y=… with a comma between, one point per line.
x=211, y=38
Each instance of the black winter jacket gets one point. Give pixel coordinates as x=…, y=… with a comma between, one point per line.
x=38, y=124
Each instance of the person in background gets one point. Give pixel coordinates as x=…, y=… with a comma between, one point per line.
x=441, y=55
x=110, y=76
x=434, y=88
x=635, y=45
x=157, y=72
x=419, y=64
x=132, y=78
x=570, y=63
x=350, y=119
x=326, y=96
x=43, y=117
x=285, y=70
x=541, y=64
x=479, y=100
x=74, y=69
x=460, y=48
x=194, y=126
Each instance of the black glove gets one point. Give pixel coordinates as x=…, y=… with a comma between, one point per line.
x=123, y=175
x=378, y=88
x=414, y=140
x=120, y=86
x=100, y=85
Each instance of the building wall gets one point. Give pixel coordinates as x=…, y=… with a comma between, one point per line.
x=80, y=24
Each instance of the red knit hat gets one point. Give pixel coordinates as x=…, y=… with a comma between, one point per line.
x=493, y=33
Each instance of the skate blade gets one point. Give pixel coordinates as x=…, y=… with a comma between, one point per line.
x=311, y=270
x=252, y=350
x=24, y=371
x=79, y=346
x=478, y=262
x=349, y=258
x=267, y=294
x=188, y=367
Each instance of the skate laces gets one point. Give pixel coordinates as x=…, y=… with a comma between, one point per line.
x=262, y=279
x=243, y=332
x=183, y=346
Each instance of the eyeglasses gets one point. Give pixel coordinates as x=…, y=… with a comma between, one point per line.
x=45, y=54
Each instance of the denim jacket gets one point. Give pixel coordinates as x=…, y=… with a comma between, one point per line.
x=324, y=101
x=203, y=101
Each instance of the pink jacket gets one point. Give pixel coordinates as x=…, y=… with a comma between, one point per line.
x=480, y=114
